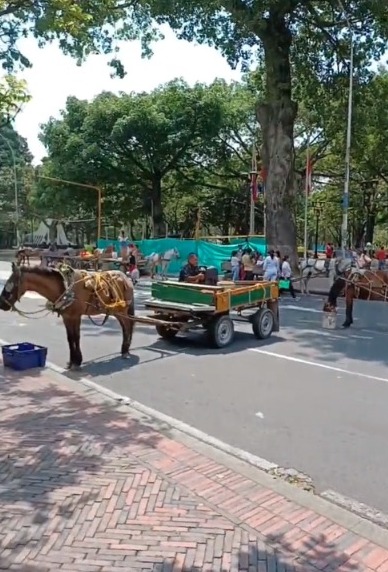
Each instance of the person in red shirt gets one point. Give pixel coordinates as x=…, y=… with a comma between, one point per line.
x=329, y=251
x=381, y=257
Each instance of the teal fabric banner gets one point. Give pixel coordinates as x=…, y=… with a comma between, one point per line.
x=209, y=254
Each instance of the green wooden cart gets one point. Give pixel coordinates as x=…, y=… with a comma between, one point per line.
x=179, y=307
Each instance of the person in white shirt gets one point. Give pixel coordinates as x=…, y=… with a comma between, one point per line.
x=271, y=267
x=286, y=273
x=235, y=264
x=364, y=260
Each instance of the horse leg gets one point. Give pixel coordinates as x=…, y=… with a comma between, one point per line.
x=73, y=331
x=349, y=298
x=127, y=325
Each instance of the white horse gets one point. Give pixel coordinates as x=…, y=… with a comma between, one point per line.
x=314, y=268
x=162, y=260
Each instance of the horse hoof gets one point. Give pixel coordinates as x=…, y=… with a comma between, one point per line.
x=73, y=367
x=345, y=326
x=125, y=356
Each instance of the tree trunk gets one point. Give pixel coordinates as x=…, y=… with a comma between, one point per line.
x=276, y=116
x=52, y=228
x=157, y=208
x=370, y=227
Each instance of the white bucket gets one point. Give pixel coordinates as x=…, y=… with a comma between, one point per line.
x=329, y=320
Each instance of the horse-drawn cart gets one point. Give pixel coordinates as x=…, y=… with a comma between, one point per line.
x=179, y=307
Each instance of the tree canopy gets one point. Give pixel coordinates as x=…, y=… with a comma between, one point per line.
x=304, y=39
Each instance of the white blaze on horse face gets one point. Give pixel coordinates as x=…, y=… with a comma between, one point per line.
x=9, y=285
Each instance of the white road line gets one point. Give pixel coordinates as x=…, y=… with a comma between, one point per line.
x=317, y=364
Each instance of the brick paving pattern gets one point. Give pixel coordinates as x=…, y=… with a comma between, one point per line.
x=85, y=488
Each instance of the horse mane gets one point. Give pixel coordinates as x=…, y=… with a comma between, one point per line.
x=47, y=272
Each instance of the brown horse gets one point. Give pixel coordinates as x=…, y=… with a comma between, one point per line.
x=73, y=294
x=360, y=285
x=24, y=254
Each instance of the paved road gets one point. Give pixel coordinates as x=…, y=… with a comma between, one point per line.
x=308, y=398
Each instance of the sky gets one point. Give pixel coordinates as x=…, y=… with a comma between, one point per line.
x=54, y=77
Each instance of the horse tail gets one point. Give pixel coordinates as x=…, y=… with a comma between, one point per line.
x=131, y=314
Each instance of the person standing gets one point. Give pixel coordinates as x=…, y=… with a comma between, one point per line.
x=381, y=257
x=248, y=264
x=235, y=266
x=124, y=246
x=271, y=267
x=286, y=273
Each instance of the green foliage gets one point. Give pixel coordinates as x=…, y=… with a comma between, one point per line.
x=15, y=163
x=13, y=94
x=82, y=28
x=130, y=145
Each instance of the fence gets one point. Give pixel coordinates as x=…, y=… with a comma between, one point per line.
x=209, y=254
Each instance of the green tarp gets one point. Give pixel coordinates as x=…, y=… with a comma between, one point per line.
x=209, y=254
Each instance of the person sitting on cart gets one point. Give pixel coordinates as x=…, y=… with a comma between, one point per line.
x=191, y=272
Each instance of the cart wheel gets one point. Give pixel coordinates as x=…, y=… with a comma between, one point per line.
x=165, y=332
x=221, y=331
x=263, y=322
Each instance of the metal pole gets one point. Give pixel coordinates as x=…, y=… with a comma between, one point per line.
x=317, y=215
x=345, y=203
x=306, y=199
x=16, y=197
x=253, y=190
x=252, y=217
x=99, y=216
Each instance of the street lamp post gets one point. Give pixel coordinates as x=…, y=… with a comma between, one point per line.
x=345, y=203
x=16, y=197
x=317, y=212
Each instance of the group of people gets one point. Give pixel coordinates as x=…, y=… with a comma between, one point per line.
x=244, y=262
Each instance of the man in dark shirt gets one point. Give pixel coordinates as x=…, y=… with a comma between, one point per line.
x=191, y=272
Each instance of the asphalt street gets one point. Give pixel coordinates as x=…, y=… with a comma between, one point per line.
x=308, y=398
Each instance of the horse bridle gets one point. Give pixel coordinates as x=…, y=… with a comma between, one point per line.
x=16, y=273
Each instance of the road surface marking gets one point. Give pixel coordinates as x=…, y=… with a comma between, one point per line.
x=329, y=334
x=260, y=415
x=317, y=364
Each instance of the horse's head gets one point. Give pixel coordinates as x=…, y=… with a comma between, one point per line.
x=13, y=289
x=176, y=253
x=342, y=265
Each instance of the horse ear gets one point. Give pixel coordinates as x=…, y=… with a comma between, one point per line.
x=13, y=266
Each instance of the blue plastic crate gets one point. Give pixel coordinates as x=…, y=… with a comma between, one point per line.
x=24, y=356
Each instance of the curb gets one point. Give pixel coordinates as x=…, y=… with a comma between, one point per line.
x=360, y=519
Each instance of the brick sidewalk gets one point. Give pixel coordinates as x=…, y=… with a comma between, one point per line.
x=86, y=488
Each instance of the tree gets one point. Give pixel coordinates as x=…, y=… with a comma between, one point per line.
x=81, y=28
x=305, y=36
x=13, y=94
x=15, y=163
x=137, y=140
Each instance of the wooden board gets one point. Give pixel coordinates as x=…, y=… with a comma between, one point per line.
x=223, y=297
x=153, y=304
